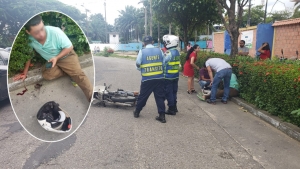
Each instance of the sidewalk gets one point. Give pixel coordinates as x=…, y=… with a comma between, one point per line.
x=287, y=128
x=259, y=139
x=35, y=76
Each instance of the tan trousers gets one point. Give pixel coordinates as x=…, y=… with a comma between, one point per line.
x=70, y=66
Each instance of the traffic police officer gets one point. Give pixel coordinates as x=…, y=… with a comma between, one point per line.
x=172, y=62
x=150, y=61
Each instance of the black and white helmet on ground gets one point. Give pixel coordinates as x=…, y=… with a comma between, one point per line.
x=170, y=41
x=52, y=118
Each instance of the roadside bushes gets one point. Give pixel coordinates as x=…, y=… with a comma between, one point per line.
x=21, y=51
x=270, y=85
x=107, y=51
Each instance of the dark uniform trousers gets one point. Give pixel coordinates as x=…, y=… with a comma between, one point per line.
x=147, y=87
x=171, y=88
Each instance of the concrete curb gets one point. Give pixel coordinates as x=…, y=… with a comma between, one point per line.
x=287, y=128
x=37, y=76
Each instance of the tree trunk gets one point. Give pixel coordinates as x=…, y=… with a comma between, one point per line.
x=195, y=36
x=185, y=38
x=170, y=28
x=233, y=32
x=234, y=43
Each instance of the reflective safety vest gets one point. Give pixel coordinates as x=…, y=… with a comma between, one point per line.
x=152, y=64
x=172, y=67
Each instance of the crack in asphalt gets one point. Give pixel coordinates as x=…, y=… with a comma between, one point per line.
x=47, y=151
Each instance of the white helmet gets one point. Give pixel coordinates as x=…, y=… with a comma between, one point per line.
x=170, y=41
x=52, y=118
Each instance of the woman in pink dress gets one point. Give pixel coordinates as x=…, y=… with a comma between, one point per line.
x=189, y=66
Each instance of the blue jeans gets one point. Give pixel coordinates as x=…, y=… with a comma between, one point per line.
x=204, y=83
x=222, y=74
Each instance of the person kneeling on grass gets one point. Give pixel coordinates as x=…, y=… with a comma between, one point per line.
x=234, y=90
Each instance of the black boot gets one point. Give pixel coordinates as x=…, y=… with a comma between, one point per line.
x=136, y=113
x=161, y=118
x=176, y=110
x=171, y=110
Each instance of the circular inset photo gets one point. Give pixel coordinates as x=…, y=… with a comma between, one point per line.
x=51, y=76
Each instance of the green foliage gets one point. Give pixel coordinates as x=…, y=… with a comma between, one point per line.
x=270, y=85
x=257, y=15
x=107, y=51
x=91, y=28
x=188, y=15
x=130, y=18
x=21, y=52
x=279, y=15
x=14, y=13
x=72, y=30
x=296, y=115
x=296, y=9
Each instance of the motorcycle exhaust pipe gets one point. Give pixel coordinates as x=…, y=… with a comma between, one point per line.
x=120, y=104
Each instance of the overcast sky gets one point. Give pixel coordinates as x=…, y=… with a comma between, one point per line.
x=113, y=6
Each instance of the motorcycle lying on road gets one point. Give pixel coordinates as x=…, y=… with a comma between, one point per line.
x=102, y=97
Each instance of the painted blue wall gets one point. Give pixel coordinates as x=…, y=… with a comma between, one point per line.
x=202, y=44
x=227, y=43
x=130, y=47
x=264, y=33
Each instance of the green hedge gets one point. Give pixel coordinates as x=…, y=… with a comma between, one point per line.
x=21, y=52
x=270, y=85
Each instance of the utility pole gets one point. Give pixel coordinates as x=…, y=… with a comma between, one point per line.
x=158, y=34
x=145, y=10
x=150, y=18
x=105, y=21
x=266, y=7
x=170, y=27
x=207, y=29
x=249, y=13
x=146, y=21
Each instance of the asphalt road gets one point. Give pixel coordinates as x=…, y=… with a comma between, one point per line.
x=71, y=99
x=199, y=136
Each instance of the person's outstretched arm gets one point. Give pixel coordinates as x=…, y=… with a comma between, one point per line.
x=23, y=76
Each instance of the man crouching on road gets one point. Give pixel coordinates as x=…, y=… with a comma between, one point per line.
x=150, y=61
x=55, y=47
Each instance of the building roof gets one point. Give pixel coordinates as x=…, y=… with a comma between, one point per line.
x=287, y=22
